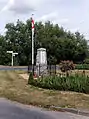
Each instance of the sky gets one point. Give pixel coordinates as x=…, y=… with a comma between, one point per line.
x=72, y=15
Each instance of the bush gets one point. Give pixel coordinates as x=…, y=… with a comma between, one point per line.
x=86, y=61
x=67, y=65
x=77, y=83
x=82, y=66
x=30, y=78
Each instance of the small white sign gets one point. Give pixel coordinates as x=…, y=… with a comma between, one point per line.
x=15, y=53
x=9, y=51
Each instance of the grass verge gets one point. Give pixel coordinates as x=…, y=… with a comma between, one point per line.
x=15, y=88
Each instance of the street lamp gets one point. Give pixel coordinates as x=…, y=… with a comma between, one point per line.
x=13, y=55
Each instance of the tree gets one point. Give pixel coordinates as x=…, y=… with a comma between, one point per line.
x=60, y=44
x=19, y=40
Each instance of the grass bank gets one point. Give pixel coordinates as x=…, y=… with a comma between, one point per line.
x=15, y=88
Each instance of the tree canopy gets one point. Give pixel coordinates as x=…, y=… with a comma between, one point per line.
x=60, y=44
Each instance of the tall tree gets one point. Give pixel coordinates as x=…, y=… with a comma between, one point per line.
x=60, y=44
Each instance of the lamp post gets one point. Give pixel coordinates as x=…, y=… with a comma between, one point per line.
x=13, y=55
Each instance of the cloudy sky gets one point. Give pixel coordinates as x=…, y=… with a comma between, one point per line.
x=71, y=14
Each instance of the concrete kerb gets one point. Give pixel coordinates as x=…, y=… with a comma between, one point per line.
x=71, y=110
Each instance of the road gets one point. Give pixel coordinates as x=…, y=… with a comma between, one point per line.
x=14, y=68
x=13, y=110
x=24, y=68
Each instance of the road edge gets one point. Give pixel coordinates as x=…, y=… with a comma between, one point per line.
x=71, y=110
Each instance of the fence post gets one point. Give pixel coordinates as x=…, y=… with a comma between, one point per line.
x=39, y=69
x=55, y=69
x=50, y=69
x=28, y=68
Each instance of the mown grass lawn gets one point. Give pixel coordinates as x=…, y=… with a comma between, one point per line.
x=15, y=88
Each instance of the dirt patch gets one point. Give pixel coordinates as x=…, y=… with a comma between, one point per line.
x=25, y=76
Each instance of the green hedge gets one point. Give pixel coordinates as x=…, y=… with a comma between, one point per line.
x=30, y=77
x=75, y=83
x=82, y=66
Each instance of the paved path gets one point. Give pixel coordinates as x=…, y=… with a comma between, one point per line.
x=12, y=110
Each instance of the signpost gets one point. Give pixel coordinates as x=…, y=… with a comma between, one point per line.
x=13, y=55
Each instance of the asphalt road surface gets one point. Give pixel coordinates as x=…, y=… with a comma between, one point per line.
x=14, y=68
x=12, y=110
x=24, y=68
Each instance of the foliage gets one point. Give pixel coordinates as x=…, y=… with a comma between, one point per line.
x=30, y=77
x=60, y=44
x=86, y=61
x=67, y=65
x=82, y=66
x=77, y=83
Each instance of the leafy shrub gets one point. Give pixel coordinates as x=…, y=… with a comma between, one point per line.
x=30, y=78
x=86, y=61
x=82, y=66
x=77, y=83
x=67, y=65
